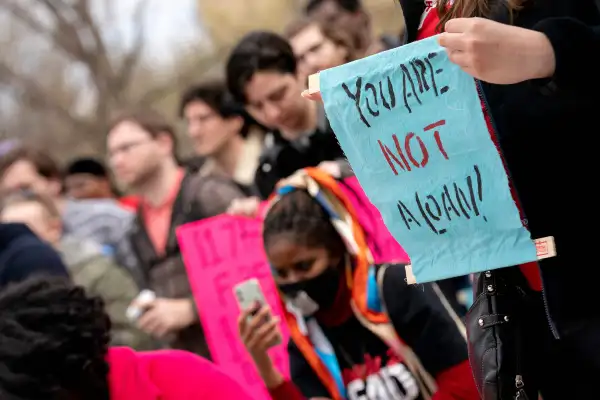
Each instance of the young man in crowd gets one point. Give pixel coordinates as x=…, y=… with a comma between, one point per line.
x=88, y=267
x=262, y=74
x=351, y=16
x=318, y=46
x=222, y=132
x=141, y=149
x=100, y=220
x=88, y=178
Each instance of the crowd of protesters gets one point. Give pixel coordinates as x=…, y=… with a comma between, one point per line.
x=79, y=242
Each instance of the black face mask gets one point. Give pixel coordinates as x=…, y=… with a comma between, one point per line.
x=322, y=289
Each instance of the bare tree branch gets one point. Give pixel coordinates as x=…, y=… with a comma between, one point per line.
x=64, y=35
x=82, y=8
x=25, y=17
x=184, y=76
x=132, y=59
x=76, y=33
x=36, y=96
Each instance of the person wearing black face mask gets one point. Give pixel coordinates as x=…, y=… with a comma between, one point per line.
x=316, y=293
x=344, y=343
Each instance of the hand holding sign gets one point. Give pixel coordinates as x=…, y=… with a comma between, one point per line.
x=411, y=124
x=487, y=50
x=498, y=53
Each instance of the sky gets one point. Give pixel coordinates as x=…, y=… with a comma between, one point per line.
x=169, y=24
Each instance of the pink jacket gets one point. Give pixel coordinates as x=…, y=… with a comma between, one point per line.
x=168, y=375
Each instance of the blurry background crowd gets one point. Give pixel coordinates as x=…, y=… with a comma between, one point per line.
x=65, y=66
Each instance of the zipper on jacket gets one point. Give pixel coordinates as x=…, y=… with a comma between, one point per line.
x=486, y=108
x=547, y=309
x=519, y=384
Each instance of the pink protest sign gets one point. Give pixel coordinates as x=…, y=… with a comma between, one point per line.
x=219, y=253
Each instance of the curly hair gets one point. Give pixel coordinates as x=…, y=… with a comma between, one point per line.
x=301, y=218
x=53, y=342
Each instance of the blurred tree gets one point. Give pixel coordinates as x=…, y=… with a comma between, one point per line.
x=228, y=20
x=386, y=15
x=65, y=66
x=62, y=78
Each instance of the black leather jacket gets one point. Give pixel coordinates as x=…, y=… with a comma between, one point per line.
x=281, y=158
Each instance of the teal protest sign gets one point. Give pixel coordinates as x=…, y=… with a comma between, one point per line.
x=412, y=127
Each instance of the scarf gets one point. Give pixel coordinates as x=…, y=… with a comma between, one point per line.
x=361, y=277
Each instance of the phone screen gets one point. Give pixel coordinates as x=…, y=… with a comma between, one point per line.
x=250, y=296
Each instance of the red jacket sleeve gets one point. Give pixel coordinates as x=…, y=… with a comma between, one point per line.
x=182, y=375
x=286, y=391
x=456, y=383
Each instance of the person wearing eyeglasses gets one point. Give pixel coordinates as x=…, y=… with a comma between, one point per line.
x=141, y=149
x=104, y=221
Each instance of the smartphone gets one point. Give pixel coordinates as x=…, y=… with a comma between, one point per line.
x=249, y=294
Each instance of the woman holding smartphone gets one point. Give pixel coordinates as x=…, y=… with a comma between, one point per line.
x=358, y=331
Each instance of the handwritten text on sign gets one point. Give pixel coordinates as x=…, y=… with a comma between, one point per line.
x=412, y=127
x=219, y=253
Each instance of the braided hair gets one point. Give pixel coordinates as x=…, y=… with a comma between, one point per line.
x=303, y=220
x=53, y=342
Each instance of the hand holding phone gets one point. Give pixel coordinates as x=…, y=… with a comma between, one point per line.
x=139, y=305
x=249, y=295
x=258, y=328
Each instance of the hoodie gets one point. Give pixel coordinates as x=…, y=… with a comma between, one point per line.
x=22, y=254
x=168, y=375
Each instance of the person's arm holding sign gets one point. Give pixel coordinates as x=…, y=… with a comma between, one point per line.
x=498, y=53
x=504, y=54
x=494, y=52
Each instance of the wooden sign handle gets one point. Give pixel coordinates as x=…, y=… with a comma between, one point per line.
x=313, y=84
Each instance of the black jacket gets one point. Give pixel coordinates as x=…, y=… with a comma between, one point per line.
x=22, y=255
x=546, y=130
x=281, y=158
x=203, y=193
x=420, y=319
